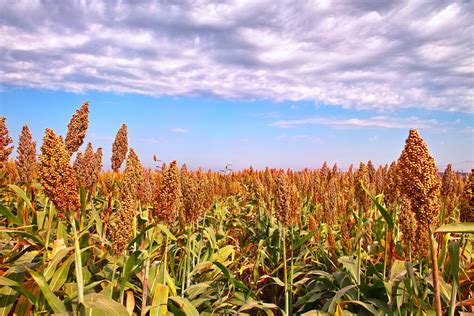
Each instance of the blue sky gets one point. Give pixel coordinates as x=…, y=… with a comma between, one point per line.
x=212, y=132
x=262, y=83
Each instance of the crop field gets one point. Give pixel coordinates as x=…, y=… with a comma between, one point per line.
x=371, y=240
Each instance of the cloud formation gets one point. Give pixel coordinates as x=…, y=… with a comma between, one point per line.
x=371, y=122
x=179, y=130
x=357, y=54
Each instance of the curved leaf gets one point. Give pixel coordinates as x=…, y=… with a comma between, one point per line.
x=99, y=304
x=185, y=306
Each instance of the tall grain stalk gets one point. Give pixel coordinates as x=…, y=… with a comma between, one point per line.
x=78, y=265
x=359, y=251
x=435, y=270
x=285, y=274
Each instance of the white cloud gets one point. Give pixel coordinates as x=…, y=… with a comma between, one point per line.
x=299, y=138
x=357, y=54
x=372, y=122
x=179, y=130
x=267, y=115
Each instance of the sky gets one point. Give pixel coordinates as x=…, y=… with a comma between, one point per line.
x=286, y=84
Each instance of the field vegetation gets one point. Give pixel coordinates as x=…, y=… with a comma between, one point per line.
x=76, y=239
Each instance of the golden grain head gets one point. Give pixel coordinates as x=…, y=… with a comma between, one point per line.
x=420, y=181
x=56, y=173
x=119, y=148
x=26, y=156
x=5, y=141
x=77, y=128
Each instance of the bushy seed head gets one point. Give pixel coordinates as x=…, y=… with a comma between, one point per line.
x=420, y=181
x=122, y=226
x=362, y=176
x=392, y=185
x=87, y=167
x=5, y=141
x=191, y=202
x=119, y=148
x=77, y=128
x=145, y=193
x=466, y=209
x=167, y=198
x=286, y=201
x=420, y=185
x=448, y=182
x=56, y=173
x=26, y=158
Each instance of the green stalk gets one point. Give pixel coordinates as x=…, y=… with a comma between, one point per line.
x=48, y=232
x=113, y=279
x=291, y=269
x=359, y=251
x=78, y=265
x=145, y=286
x=186, y=281
x=435, y=271
x=146, y=272
x=385, y=253
x=285, y=275
x=165, y=259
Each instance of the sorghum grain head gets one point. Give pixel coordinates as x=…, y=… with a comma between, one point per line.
x=466, y=209
x=77, y=128
x=286, y=200
x=26, y=158
x=420, y=180
x=5, y=141
x=448, y=182
x=119, y=148
x=167, y=198
x=122, y=226
x=56, y=173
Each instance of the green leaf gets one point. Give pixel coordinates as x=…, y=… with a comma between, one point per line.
x=18, y=287
x=24, y=234
x=339, y=294
x=127, y=271
x=99, y=305
x=223, y=253
x=185, y=306
x=398, y=269
x=350, y=265
x=195, y=290
x=304, y=239
x=73, y=293
x=51, y=268
x=453, y=249
x=8, y=214
x=456, y=228
x=277, y=280
x=139, y=236
x=60, y=275
x=54, y=302
x=386, y=214
x=21, y=194
x=165, y=230
x=8, y=296
x=315, y=313
x=159, y=300
x=236, y=283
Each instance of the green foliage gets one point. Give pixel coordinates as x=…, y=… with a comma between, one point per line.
x=230, y=262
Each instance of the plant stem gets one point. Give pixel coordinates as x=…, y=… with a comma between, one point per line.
x=285, y=275
x=113, y=279
x=435, y=270
x=359, y=250
x=78, y=265
x=107, y=215
x=145, y=286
